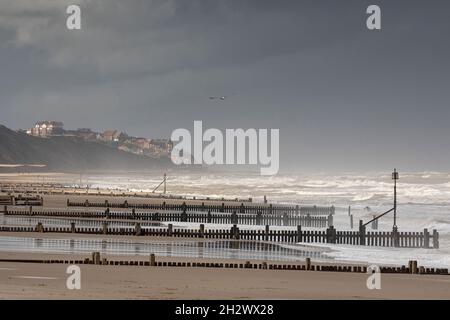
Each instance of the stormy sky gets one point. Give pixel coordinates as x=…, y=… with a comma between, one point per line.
x=344, y=97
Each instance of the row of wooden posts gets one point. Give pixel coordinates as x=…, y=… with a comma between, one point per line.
x=96, y=259
x=423, y=239
x=63, y=190
x=21, y=200
x=184, y=207
x=285, y=219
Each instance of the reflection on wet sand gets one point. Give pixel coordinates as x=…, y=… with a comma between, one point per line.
x=219, y=249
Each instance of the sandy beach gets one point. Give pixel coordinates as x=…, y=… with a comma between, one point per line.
x=37, y=281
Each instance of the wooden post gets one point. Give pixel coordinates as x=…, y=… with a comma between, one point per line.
x=331, y=235
x=285, y=219
x=265, y=200
x=308, y=264
x=170, y=230
x=5, y=209
x=152, y=260
x=39, y=227
x=137, y=229
x=299, y=234
x=202, y=230
x=362, y=233
x=266, y=234
x=234, y=218
x=396, y=237
x=330, y=220
x=72, y=227
x=426, y=238
x=96, y=257
x=30, y=210
x=105, y=227
x=435, y=239
x=351, y=221
x=258, y=218
x=413, y=267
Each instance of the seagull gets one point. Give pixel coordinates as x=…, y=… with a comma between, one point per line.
x=217, y=98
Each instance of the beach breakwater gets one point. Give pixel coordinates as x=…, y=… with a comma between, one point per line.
x=398, y=239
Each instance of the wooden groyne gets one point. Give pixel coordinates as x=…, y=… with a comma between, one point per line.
x=285, y=219
x=423, y=239
x=96, y=259
x=222, y=208
x=59, y=189
x=21, y=200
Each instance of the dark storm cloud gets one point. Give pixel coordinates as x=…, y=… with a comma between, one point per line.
x=343, y=97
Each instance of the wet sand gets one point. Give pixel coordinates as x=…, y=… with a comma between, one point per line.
x=38, y=281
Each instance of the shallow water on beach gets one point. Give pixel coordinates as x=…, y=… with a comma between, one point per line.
x=219, y=249
x=25, y=221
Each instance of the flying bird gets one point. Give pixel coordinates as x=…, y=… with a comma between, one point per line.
x=217, y=98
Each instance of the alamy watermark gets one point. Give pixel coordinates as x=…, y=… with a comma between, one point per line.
x=251, y=146
x=374, y=280
x=73, y=281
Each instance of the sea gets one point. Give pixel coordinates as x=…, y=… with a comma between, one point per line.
x=423, y=201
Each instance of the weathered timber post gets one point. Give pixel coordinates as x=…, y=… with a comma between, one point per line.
x=72, y=227
x=265, y=200
x=105, y=227
x=362, y=233
x=236, y=232
x=39, y=227
x=31, y=210
x=152, y=260
x=349, y=211
x=96, y=257
x=299, y=234
x=413, y=267
x=435, y=239
x=266, y=233
x=107, y=213
x=170, y=230
x=68, y=202
x=308, y=264
x=330, y=220
x=106, y=203
x=270, y=208
x=184, y=215
x=209, y=217
x=203, y=207
x=137, y=229
x=5, y=209
x=331, y=235
x=242, y=208
x=396, y=237
x=351, y=221
x=426, y=238
x=133, y=213
x=296, y=209
x=234, y=218
x=285, y=219
x=258, y=218
x=202, y=230
x=222, y=208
